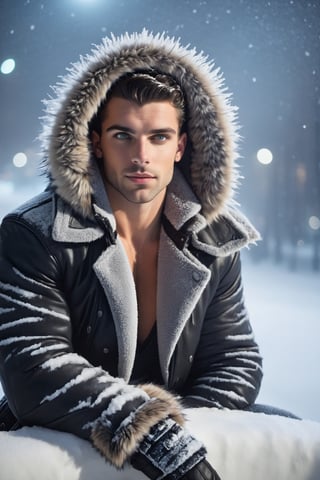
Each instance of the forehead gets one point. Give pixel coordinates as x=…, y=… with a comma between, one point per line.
x=123, y=112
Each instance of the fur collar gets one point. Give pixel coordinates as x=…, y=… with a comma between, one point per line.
x=209, y=166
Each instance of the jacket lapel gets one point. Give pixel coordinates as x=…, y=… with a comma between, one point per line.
x=181, y=277
x=181, y=281
x=112, y=268
x=113, y=271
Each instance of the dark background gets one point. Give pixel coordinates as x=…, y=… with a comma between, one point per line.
x=269, y=54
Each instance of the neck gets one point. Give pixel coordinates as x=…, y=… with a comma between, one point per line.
x=136, y=223
x=137, y=229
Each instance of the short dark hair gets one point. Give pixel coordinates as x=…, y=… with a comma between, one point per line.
x=141, y=88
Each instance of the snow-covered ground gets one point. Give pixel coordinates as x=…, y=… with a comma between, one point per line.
x=240, y=445
x=284, y=308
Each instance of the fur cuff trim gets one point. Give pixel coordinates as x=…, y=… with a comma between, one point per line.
x=118, y=446
x=174, y=407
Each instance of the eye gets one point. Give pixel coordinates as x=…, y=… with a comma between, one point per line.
x=160, y=137
x=122, y=136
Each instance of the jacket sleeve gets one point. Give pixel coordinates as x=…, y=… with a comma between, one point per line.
x=227, y=367
x=46, y=382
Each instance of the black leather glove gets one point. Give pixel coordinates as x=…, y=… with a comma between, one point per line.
x=169, y=452
x=202, y=471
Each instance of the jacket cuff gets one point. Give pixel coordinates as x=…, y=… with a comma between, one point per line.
x=117, y=446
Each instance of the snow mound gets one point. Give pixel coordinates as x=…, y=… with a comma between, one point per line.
x=241, y=445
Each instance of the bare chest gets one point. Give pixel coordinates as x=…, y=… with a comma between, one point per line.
x=144, y=269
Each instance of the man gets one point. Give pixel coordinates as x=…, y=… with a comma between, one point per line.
x=121, y=294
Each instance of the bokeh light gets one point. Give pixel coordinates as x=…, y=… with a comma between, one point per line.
x=264, y=156
x=7, y=66
x=314, y=222
x=20, y=160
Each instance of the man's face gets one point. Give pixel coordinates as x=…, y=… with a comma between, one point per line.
x=139, y=146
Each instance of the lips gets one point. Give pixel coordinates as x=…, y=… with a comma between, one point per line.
x=140, y=178
x=140, y=175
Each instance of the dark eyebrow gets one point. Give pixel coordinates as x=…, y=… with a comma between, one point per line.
x=163, y=130
x=130, y=130
x=120, y=127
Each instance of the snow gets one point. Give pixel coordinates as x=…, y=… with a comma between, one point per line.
x=241, y=445
x=284, y=310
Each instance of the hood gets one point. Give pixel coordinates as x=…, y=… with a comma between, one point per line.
x=208, y=164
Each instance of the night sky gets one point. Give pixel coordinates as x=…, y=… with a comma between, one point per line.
x=268, y=51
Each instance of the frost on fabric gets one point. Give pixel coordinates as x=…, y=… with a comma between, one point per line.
x=19, y=291
x=242, y=353
x=10, y=340
x=41, y=350
x=116, y=388
x=127, y=395
x=107, y=377
x=86, y=374
x=81, y=404
x=66, y=359
x=30, y=348
x=127, y=421
x=170, y=447
x=199, y=399
x=100, y=420
x=239, y=372
x=34, y=308
x=241, y=317
x=124, y=394
x=36, y=349
x=6, y=310
x=240, y=337
x=180, y=450
x=235, y=379
x=229, y=394
x=241, y=357
x=226, y=393
x=28, y=279
x=20, y=321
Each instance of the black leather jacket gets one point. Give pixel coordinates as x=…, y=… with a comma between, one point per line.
x=55, y=304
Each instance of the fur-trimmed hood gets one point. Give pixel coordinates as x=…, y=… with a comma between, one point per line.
x=209, y=163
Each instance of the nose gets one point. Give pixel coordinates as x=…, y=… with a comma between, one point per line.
x=140, y=154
